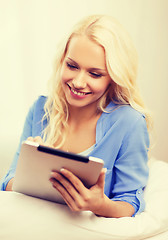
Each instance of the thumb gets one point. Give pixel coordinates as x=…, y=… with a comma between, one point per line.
x=38, y=139
x=101, y=179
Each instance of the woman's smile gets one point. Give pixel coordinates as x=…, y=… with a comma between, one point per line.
x=77, y=93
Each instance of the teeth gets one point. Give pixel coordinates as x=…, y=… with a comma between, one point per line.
x=77, y=93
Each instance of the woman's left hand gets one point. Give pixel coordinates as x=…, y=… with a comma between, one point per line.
x=75, y=194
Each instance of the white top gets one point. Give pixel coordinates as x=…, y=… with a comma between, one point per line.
x=87, y=151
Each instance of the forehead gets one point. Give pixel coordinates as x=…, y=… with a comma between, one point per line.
x=86, y=52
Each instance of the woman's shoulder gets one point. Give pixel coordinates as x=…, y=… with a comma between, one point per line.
x=119, y=121
x=39, y=103
x=41, y=100
x=121, y=115
x=36, y=111
x=121, y=109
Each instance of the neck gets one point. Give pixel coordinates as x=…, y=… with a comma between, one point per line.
x=81, y=115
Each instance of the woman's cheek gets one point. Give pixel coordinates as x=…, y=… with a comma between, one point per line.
x=66, y=75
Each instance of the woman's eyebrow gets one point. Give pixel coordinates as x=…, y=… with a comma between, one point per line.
x=92, y=68
x=73, y=61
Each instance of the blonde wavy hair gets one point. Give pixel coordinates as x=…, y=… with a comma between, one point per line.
x=121, y=62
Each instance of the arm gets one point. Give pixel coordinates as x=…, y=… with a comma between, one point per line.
x=130, y=168
x=7, y=181
x=115, y=209
x=129, y=177
x=9, y=185
x=79, y=198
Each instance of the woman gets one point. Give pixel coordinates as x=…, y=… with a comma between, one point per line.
x=94, y=108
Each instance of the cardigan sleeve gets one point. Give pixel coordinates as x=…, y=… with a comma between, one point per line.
x=130, y=167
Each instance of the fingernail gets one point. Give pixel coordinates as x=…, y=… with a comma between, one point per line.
x=53, y=174
x=51, y=180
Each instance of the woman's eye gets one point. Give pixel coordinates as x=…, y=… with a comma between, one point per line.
x=71, y=66
x=95, y=75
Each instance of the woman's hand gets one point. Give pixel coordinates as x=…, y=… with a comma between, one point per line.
x=80, y=198
x=9, y=185
x=36, y=139
x=75, y=194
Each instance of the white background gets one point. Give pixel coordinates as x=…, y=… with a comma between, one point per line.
x=29, y=33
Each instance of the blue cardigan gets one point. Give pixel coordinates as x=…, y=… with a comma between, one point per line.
x=122, y=141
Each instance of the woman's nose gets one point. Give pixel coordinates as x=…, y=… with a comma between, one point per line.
x=79, y=81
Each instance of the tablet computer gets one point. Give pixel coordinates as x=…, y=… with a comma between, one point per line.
x=36, y=162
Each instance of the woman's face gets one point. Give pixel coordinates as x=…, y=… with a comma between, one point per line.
x=84, y=75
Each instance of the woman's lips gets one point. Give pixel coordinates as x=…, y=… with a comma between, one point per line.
x=76, y=92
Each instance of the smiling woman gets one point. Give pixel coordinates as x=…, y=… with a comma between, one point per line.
x=94, y=108
x=84, y=75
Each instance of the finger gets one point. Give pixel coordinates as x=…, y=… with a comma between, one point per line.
x=38, y=139
x=61, y=190
x=101, y=179
x=66, y=196
x=30, y=139
x=68, y=186
x=76, y=182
